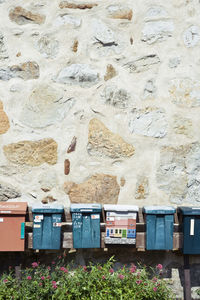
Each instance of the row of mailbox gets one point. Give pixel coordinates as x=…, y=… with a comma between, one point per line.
x=120, y=226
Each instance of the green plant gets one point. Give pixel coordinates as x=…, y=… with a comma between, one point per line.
x=95, y=282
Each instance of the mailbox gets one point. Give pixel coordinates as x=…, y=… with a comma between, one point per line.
x=159, y=227
x=47, y=226
x=12, y=226
x=191, y=229
x=86, y=225
x=120, y=224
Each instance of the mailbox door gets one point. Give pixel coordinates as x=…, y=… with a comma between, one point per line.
x=191, y=231
x=95, y=230
x=159, y=232
x=12, y=233
x=77, y=229
x=46, y=231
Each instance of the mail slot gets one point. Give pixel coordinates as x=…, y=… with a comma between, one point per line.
x=86, y=225
x=191, y=229
x=120, y=224
x=12, y=226
x=47, y=226
x=159, y=227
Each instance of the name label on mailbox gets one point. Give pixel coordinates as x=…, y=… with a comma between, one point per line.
x=1, y=220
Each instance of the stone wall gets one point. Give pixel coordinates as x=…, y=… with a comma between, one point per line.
x=100, y=101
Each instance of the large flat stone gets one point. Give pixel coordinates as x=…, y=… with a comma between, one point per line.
x=191, y=36
x=4, y=121
x=150, y=121
x=81, y=74
x=116, y=11
x=32, y=153
x=99, y=188
x=22, y=16
x=116, y=97
x=103, y=142
x=45, y=106
x=48, y=46
x=143, y=63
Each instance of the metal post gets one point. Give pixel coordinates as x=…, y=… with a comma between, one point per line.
x=187, y=280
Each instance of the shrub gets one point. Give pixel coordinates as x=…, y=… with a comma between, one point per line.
x=93, y=282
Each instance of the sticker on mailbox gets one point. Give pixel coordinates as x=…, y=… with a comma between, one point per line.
x=37, y=226
x=1, y=220
x=56, y=224
x=94, y=217
x=38, y=218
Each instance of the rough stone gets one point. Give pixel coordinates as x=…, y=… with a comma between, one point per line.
x=48, y=180
x=48, y=199
x=156, y=13
x=75, y=46
x=102, y=33
x=66, y=4
x=191, y=36
x=122, y=181
x=179, y=173
x=185, y=92
x=32, y=153
x=66, y=167
x=142, y=187
x=8, y=192
x=149, y=89
x=182, y=125
x=102, y=142
x=69, y=20
x=72, y=146
x=48, y=46
x=143, y=63
x=99, y=188
x=150, y=121
x=110, y=72
x=119, y=12
x=81, y=74
x=25, y=71
x=3, y=51
x=157, y=31
x=4, y=121
x=119, y=98
x=22, y=16
x=45, y=106
x=174, y=62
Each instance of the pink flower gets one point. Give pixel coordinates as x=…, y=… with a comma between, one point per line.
x=53, y=282
x=66, y=271
x=138, y=281
x=62, y=268
x=42, y=278
x=54, y=286
x=155, y=289
x=35, y=264
x=40, y=283
x=84, y=268
x=5, y=280
x=154, y=279
x=48, y=276
x=159, y=267
x=111, y=271
x=29, y=277
x=53, y=262
x=133, y=269
x=120, y=276
x=60, y=257
x=103, y=277
x=49, y=268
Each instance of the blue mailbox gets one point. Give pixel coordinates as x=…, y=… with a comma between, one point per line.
x=47, y=226
x=86, y=225
x=191, y=229
x=159, y=227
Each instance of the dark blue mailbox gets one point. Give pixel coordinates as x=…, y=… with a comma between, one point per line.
x=159, y=227
x=47, y=226
x=86, y=225
x=191, y=229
